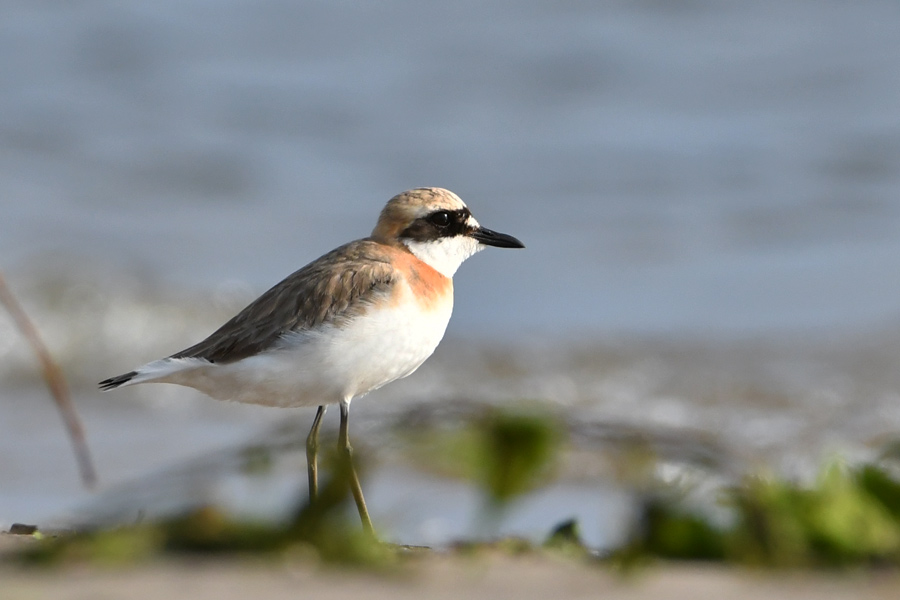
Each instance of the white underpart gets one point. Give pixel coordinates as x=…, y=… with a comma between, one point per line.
x=444, y=255
x=323, y=366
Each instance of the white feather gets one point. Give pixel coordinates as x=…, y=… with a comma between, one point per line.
x=327, y=365
x=444, y=255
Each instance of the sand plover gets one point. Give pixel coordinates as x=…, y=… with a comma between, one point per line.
x=363, y=315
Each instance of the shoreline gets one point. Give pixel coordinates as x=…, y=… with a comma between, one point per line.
x=485, y=574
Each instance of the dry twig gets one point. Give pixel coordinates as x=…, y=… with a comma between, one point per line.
x=56, y=381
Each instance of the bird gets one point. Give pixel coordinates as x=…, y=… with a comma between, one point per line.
x=359, y=317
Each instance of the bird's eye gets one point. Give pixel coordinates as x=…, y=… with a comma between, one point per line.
x=440, y=218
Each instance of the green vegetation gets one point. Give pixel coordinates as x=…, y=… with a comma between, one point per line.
x=505, y=453
x=321, y=530
x=517, y=452
x=849, y=516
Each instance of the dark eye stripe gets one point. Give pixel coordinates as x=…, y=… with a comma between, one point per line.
x=424, y=229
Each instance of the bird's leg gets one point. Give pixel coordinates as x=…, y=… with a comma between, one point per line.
x=347, y=451
x=312, y=451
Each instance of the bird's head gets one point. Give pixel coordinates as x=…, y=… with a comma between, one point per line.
x=437, y=227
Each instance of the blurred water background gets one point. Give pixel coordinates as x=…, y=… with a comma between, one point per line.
x=709, y=193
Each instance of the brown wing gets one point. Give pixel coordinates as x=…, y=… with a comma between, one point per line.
x=336, y=287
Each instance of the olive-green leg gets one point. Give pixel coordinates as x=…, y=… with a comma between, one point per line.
x=312, y=453
x=347, y=451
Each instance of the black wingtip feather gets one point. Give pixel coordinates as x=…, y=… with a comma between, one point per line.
x=114, y=382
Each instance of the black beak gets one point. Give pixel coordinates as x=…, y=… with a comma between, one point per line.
x=492, y=238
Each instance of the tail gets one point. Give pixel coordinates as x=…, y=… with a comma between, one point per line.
x=158, y=370
x=114, y=382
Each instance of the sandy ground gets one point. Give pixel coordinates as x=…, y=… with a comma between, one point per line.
x=435, y=576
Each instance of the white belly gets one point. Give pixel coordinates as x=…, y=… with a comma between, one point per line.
x=324, y=366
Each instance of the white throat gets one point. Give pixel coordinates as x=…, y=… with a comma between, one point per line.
x=444, y=255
